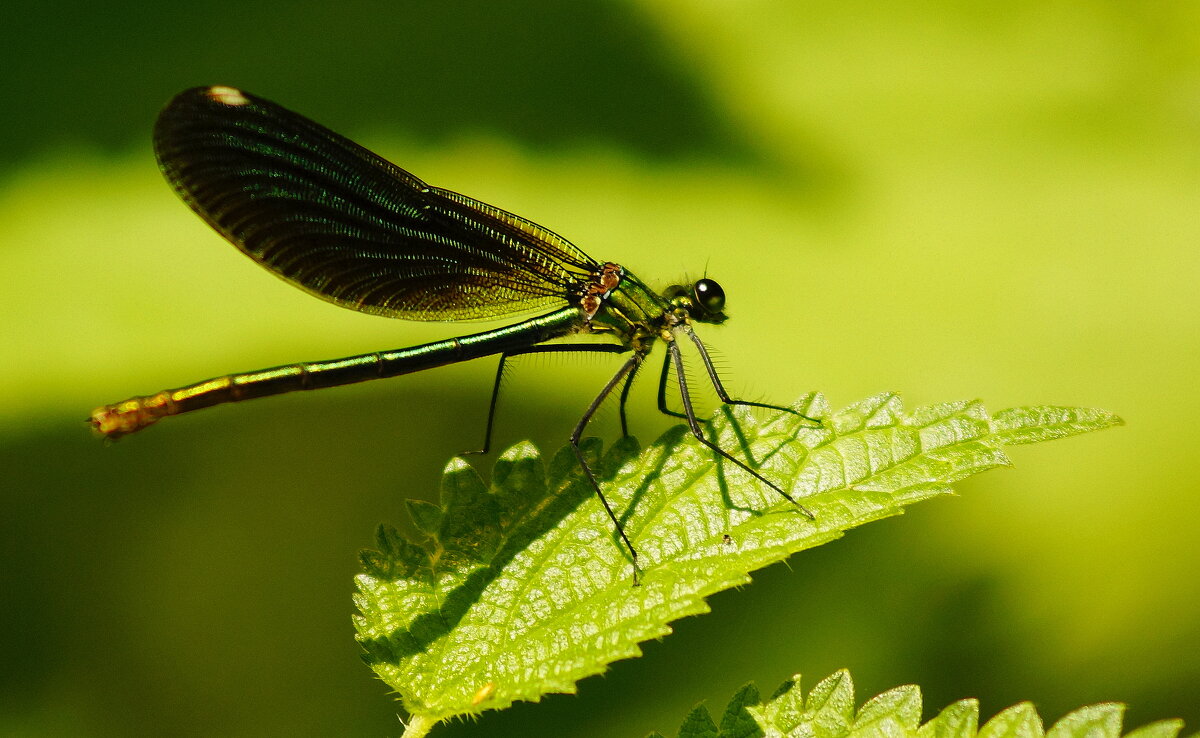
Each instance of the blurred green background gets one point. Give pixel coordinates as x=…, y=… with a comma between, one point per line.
x=946, y=198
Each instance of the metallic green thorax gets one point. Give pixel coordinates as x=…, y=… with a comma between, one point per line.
x=634, y=312
x=640, y=316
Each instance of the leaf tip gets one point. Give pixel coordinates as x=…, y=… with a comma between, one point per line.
x=521, y=451
x=455, y=465
x=425, y=515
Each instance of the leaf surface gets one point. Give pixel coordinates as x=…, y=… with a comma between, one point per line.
x=897, y=713
x=522, y=588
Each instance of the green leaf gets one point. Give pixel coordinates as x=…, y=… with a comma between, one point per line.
x=897, y=714
x=1018, y=721
x=1093, y=721
x=1160, y=729
x=1044, y=423
x=893, y=714
x=959, y=720
x=830, y=705
x=522, y=588
x=698, y=724
x=737, y=722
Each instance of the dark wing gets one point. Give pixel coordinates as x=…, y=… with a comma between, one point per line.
x=343, y=224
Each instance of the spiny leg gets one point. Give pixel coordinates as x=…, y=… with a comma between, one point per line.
x=677, y=357
x=720, y=388
x=630, y=366
x=625, y=396
x=662, y=389
x=606, y=348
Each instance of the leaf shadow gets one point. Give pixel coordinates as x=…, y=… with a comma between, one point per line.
x=663, y=447
x=563, y=488
x=719, y=462
x=569, y=489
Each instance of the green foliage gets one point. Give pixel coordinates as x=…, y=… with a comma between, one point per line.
x=828, y=712
x=523, y=589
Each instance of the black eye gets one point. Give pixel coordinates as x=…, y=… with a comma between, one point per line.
x=709, y=295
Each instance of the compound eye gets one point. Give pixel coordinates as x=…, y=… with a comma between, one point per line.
x=709, y=296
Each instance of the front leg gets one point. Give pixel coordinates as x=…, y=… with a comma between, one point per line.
x=662, y=390
x=698, y=433
x=720, y=388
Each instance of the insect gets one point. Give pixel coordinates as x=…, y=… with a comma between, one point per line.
x=335, y=220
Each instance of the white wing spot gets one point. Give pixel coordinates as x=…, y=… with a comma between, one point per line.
x=227, y=95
